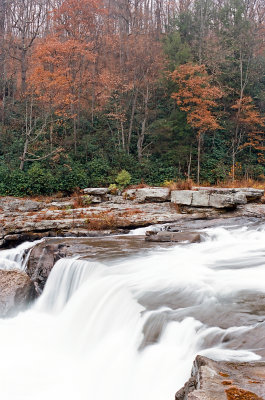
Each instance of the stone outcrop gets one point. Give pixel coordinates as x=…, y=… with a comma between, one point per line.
x=208, y=198
x=252, y=194
x=16, y=291
x=95, y=195
x=224, y=380
x=96, y=191
x=41, y=261
x=164, y=236
x=11, y=204
x=107, y=216
x=26, y=219
x=151, y=195
x=45, y=254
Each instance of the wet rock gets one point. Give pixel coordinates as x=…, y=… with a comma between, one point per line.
x=224, y=380
x=142, y=195
x=164, y=236
x=41, y=261
x=16, y=291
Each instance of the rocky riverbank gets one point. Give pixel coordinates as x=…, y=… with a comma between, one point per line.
x=222, y=380
x=97, y=212
x=81, y=220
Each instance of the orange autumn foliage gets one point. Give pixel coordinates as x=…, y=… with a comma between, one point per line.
x=197, y=96
x=251, y=123
x=64, y=67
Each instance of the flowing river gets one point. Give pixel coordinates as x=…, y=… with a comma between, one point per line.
x=130, y=328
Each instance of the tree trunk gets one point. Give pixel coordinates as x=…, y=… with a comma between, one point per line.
x=233, y=161
x=23, y=71
x=189, y=166
x=131, y=121
x=199, y=159
x=23, y=158
x=142, y=133
x=75, y=136
x=2, y=57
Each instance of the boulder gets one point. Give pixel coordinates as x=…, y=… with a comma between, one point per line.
x=232, y=200
x=11, y=204
x=182, y=197
x=41, y=261
x=164, y=236
x=149, y=195
x=207, y=198
x=16, y=291
x=224, y=380
x=251, y=194
x=96, y=191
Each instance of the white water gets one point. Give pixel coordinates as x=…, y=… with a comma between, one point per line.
x=16, y=258
x=131, y=331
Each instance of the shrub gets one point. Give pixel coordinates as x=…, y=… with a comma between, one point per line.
x=39, y=181
x=123, y=178
x=113, y=188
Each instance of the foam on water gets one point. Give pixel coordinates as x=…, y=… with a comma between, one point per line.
x=127, y=331
x=16, y=258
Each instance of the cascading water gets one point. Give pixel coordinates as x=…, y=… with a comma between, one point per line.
x=16, y=258
x=132, y=330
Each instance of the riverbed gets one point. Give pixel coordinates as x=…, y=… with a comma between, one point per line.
x=128, y=321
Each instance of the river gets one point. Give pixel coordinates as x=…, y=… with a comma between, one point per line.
x=129, y=328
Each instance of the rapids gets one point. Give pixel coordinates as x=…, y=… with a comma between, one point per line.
x=130, y=330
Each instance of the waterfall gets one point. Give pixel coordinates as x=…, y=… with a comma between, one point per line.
x=17, y=258
x=131, y=330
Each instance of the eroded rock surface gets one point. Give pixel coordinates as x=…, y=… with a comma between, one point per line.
x=16, y=291
x=106, y=249
x=26, y=219
x=152, y=195
x=164, y=236
x=208, y=198
x=41, y=261
x=224, y=380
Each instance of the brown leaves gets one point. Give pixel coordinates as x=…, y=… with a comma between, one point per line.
x=196, y=96
x=251, y=122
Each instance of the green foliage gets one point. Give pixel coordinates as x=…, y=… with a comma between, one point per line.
x=98, y=171
x=177, y=51
x=222, y=36
x=39, y=181
x=86, y=200
x=113, y=188
x=123, y=178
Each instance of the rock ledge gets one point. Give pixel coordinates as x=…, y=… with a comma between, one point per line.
x=224, y=380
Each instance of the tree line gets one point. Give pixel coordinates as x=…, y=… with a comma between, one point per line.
x=166, y=89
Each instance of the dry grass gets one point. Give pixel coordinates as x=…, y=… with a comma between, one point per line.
x=78, y=200
x=176, y=207
x=242, y=183
x=110, y=220
x=139, y=186
x=186, y=184
x=102, y=220
x=235, y=393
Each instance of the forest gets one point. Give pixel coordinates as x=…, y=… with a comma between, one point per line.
x=165, y=89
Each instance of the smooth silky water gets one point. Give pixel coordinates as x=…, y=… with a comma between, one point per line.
x=130, y=329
